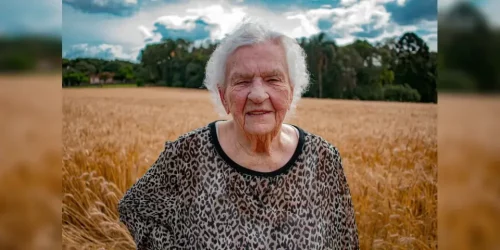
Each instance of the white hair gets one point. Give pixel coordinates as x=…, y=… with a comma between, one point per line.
x=252, y=32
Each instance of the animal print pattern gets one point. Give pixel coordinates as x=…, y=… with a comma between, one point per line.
x=195, y=197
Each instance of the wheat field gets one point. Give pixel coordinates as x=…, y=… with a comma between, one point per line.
x=111, y=137
x=107, y=138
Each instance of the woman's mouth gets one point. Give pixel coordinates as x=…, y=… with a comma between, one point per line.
x=257, y=113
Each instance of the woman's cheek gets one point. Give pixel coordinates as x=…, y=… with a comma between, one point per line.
x=281, y=100
x=238, y=100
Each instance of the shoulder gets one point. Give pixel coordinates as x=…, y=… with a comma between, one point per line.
x=194, y=139
x=320, y=151
x=318, y=145
x=161, y=176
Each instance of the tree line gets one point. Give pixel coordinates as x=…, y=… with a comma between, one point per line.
x=469, y=51
x=30, y=53
x=396, y=69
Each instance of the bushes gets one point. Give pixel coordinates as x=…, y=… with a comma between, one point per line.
x=455, y=81
x=402, y=93
x=389, y=92
x=373, y=93
x=140, y=83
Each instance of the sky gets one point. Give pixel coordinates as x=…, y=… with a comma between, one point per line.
x=119, y=29
x=30, y=17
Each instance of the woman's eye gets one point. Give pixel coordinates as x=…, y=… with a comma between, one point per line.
x=242, y=82
x=273, y=80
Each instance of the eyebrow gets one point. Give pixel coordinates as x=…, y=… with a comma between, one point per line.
x=240, y=75
x=274, y=72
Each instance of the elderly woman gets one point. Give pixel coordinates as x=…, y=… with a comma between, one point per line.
x=251, y=182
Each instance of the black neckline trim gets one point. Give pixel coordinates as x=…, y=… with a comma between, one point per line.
x=241, y=169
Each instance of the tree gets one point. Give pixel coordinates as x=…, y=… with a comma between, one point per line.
x=468, y=44
x=125, y=73
x=85, y=68
x=349, y=63
x=194, y=75
x=359, y=70
x=112, y=66
x=386, y=76
x=414, y=66
x=73, y=77
x=320, y=52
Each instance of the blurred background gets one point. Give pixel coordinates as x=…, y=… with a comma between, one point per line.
x=468, y=121
x=461, y=59
x=469, y=46
x=30, y=124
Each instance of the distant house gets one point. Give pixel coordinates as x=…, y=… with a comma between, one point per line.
x=101, y=78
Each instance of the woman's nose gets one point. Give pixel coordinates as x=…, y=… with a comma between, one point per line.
x=258, y=92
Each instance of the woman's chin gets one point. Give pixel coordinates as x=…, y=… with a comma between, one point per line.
x=259, y=129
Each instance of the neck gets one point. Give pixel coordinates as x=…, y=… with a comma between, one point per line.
x=257, y=145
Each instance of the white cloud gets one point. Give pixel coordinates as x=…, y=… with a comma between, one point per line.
x=306, y=27
x=136, y=31
x=225, y=17
x=345, y=20
x=347, y=2
x=177, y=22
x=430, y=26
x=105, y=51
x=393, y=30
x=104, y=3
x=431, y=41
x=145, y=31
x=402, y=2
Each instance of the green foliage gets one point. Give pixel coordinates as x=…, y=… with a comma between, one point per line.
x=369, y=92
x=125, y=73
x=29, y=53
x=85, y=67
x=386, y=77
x=140, y=83
x=194, y=75
x=456, y=81
x=401, y=93
x=356, y=71
x=74, y=78
x=471, y=51
x=416, y=67
x=17, y=63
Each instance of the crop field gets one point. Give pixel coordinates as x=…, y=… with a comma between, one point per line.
x=110, y=137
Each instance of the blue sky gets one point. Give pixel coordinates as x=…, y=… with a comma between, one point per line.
x=30, y=16
x=121, y=28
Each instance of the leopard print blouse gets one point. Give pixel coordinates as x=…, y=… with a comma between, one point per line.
x=195, y=197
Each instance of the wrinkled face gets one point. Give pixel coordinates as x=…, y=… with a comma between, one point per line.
x=257, y=91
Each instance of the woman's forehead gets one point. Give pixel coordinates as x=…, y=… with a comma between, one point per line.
x=264, y=49
x=262, y=59
x=251, y=73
